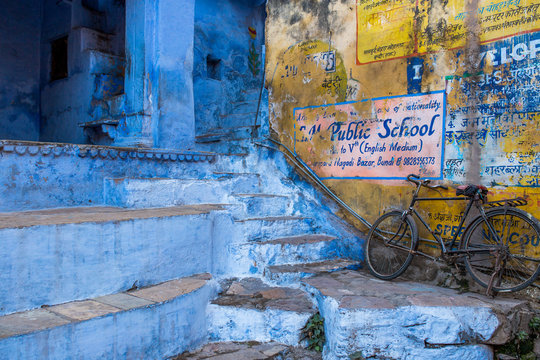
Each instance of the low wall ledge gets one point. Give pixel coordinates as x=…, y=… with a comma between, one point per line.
x=28, y=148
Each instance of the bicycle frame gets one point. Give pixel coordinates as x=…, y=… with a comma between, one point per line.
x=448, y=249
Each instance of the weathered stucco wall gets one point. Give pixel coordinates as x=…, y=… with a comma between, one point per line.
x=366, y=92
x=19, y=70
x=227, y=72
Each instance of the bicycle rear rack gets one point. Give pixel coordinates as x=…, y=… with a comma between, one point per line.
x=519, y=201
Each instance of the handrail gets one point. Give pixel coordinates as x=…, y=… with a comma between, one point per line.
x=314, y=177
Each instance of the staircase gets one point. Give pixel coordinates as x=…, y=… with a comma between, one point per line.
x=245, y=251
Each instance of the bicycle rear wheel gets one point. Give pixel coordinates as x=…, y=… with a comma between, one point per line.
x=519, y=259
x=389, y=244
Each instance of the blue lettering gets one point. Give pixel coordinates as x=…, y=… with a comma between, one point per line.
x=386, y=128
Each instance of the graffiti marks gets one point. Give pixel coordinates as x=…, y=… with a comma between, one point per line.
x=324, y=60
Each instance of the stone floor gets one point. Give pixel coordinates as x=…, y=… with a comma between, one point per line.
x=95, y=214
x=249, y=351
x=252, y=293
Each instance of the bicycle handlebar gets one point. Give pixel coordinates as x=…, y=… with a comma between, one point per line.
x=416, y=179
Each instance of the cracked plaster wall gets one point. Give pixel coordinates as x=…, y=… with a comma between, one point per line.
x=473, y=65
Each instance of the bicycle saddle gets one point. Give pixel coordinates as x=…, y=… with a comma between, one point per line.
x=471, y=190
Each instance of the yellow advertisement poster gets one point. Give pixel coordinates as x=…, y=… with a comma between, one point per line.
x=385, y=29
x=394, y=29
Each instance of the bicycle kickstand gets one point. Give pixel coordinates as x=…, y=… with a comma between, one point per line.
x=489, y=289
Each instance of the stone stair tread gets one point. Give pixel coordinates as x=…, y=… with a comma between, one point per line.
x=235, y=173
x=273, y=218
x=248, y=351
x=314, y=267
x=300, y=239
x=419, y=320
x=97, y=123
x=49, y=317
x=252, y=293
x=260, y=195
x=355, y=289
x=76, y=215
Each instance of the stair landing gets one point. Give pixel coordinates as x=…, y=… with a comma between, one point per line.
x=79, y=215
x=409, y=320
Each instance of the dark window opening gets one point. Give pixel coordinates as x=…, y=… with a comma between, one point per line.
x=213, y=68
x=59, y=58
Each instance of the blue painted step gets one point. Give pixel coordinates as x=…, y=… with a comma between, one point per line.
x=292, y=274
x=60, y=255
x=249, y=310
x=264, y=204
x=292, y=250
x=407, y=320
x=271, y=227
x=150, y=323
x=153, y=192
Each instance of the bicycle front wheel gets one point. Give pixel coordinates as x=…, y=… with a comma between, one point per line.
x=517, y=244
x=389, y=246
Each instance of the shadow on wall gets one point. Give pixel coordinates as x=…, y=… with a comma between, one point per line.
x=228, y=64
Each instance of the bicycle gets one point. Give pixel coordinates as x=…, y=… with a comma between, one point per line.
x=500, y=246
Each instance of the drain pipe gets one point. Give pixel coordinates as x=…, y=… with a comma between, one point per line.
x=313, y=177
x=254, y=132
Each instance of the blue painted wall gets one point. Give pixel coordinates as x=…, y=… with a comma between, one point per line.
x=95, y=66
x=176, y=127
x=19, y=69
x=60, y=176
x=221, y=33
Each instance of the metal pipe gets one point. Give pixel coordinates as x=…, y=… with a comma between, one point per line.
x=314, y=177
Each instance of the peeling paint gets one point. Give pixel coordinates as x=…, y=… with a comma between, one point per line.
x=483, y=55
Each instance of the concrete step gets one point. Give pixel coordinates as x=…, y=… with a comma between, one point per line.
x=258, y=204
x=255, y=256
x=270, y=227
x=408, y=320
x=153, y=322
x=91, y=39
x=292, y=274
x=151, y=192
x=102, y=62
x=249, y=310
x=55, y=256
x=292, y=250
x=250, y=350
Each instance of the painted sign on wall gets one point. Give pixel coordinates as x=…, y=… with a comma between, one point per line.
x=482, y=63
x=395, y=29
x=384, y=138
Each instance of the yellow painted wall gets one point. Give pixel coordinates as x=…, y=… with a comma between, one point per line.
x=464, y=73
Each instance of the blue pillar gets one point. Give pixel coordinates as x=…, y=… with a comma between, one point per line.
x=159, y=81
x=136, y=128
x=175, y=29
